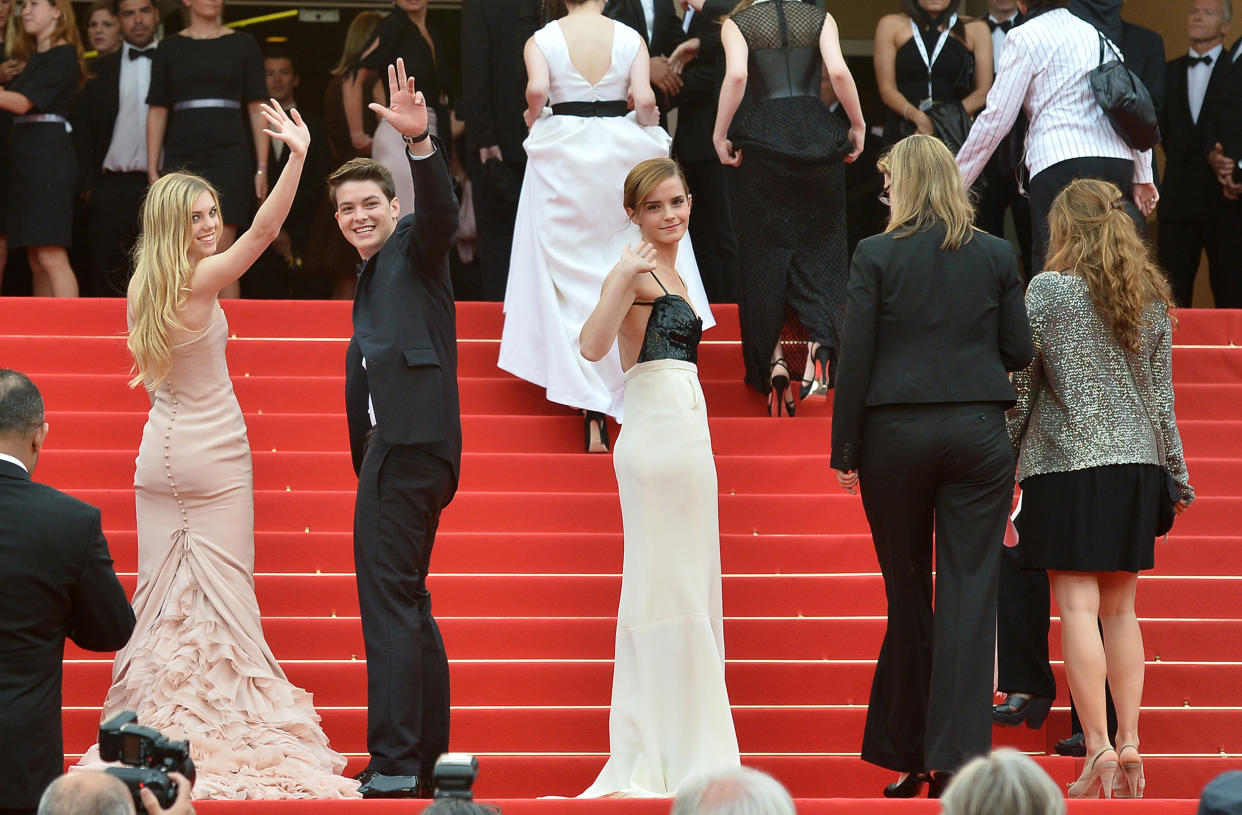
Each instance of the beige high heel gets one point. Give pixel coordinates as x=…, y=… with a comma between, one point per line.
x=1129, y=783
x=1097, y=776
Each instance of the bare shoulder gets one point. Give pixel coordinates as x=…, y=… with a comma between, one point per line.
x=891, y=25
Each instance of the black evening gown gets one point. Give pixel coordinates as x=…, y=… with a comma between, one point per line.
x=42, y=165
x=214, y=142
x=790, y=192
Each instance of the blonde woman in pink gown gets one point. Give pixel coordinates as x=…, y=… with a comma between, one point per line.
x=197, y=666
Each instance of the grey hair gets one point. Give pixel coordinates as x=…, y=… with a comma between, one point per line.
x=87, y=793
x=21, y=405
x=1006, y=781
x=738, y=791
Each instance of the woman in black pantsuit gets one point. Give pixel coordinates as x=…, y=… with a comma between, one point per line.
x=934, y=320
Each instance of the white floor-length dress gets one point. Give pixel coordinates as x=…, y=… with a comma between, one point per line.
x=571, y=227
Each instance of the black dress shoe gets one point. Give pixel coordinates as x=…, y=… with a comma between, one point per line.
x=1019, y=708
x=378, y=785
x=938, y=784
x=1075, y=745
x=908, y=787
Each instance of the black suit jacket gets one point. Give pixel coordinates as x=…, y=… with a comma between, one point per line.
x=1224, y=126
x=94, y=117
x=927, y=325
x=700, y=90
x=58, y=582
x=1190, y=191
x=1143, y=50
x=405, y=326
x=493, y=34
x=666, y=29
x=310, y=192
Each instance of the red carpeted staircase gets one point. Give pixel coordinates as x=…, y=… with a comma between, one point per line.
x=526, y=570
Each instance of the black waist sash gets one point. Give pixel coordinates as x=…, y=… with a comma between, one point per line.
x=592, y=109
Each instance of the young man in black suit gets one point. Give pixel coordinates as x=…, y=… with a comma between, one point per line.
x=1191, y=197
x=59, y=583
x=110, y=136
x=405, y=436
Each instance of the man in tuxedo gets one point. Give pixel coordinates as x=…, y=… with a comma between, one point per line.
x=660, y=27
x=274, y=274
x=493, y=100
x=1224, y=131
x=1192, y=199
x=711, y=230
x=110, y=136
x=59, y=583
x=405, y=436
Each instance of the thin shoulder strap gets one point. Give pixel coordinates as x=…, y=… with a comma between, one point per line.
x=657, y=280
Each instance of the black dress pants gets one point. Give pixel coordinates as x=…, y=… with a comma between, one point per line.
x=401, y=491
x=1047, y=185
x=1001, y=193
x=711, y=229
x=496, y=186
x=948, y=470
x=114, y=222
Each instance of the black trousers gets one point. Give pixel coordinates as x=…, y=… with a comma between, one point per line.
x=113, y=226
x=1001, y=193
x=495, y=187
x=946, y=469
x=1047, y=185
x=401, y=491
x=711, y=229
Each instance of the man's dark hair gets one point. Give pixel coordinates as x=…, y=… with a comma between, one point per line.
x=457, y=806
x=1035, y=5
x=115, y=5
x=280, y=50
x=21, y=406
x=361, y=169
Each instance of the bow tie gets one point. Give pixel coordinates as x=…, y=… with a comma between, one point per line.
x=1004, y=27
x=135, y=53
x=1203, y=60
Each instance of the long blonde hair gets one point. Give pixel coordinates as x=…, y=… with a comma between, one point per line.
x=160, y=286
x=356, y=38
x=1092, y=236
x=926, y=189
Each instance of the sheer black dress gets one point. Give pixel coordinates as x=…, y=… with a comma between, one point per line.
x=789, y=192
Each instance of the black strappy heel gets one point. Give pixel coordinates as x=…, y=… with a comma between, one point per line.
x=777, y=386
x=594, y=417
x=820, y=360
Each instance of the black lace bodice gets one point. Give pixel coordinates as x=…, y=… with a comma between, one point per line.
x=673, y=329
x=783, y=40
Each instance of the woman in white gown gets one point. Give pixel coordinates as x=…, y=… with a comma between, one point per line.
x=569, y=228
x=670, y=719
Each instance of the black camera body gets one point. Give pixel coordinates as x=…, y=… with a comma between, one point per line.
x=454, y=776
x=149, y=755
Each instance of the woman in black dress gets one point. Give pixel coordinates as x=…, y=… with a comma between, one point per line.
x=43, y=167
x=9, y=68
x=948, y=63
x=207, y=85
x=790, y=184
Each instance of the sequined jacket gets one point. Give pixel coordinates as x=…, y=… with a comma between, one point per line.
x=1085, y=401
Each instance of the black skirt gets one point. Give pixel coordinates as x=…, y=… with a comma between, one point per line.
x=1101, y=519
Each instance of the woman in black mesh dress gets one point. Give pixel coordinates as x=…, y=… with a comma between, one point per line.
x=789, y=194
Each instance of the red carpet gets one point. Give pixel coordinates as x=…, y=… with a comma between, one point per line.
x=526, y=571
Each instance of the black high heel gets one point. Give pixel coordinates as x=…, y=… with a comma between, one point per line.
x=777, y=386
x=938, y=784
x=1019, y=708
x=820, y=382
x=594, y=417
x=908, y=787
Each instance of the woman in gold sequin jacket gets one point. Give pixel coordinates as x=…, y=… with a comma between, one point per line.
x=1094, y=430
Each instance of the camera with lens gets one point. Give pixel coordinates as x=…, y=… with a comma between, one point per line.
x=149, y=757
x=454, y=776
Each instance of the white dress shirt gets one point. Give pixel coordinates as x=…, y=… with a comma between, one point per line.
x=5, y=457
x=649, y=13
x=1044, y=69
x=998, y=40
x=1197, y=77
x=128, y=151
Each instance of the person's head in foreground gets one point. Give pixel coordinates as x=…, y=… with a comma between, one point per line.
x=458, y=806
x=86, y=793
x=924, y=189
x=365, y=199
x=657, y=201
x=1222, y=795
x=739, y=791
x=1005, y=782
x=22, y=428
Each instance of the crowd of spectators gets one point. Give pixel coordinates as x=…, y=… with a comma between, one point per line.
x=479, y=104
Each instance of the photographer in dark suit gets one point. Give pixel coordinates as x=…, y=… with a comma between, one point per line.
x=405, y=436
x=59, y=583
x=110, y=136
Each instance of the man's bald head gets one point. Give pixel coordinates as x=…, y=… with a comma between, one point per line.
x=86, y=793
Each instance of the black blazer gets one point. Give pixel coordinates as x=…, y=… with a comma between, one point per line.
x=700, y=91
x=58, y=582
x=310, y=192
x=1143, y=50
x=94, y=116
x=405, y=325
x=493, y=34
x=926, y=325
x=1225, y=124
x=666, y=30
x=1190, y=191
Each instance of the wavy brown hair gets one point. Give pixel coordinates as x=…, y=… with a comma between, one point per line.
x=1093, y=237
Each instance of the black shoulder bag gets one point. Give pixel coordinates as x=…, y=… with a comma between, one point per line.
x=1125, y=100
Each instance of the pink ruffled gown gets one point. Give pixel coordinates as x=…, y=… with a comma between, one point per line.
x=197, y=666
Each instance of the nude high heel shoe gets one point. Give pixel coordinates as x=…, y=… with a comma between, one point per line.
x=1129, y=783
x=1097, y=776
